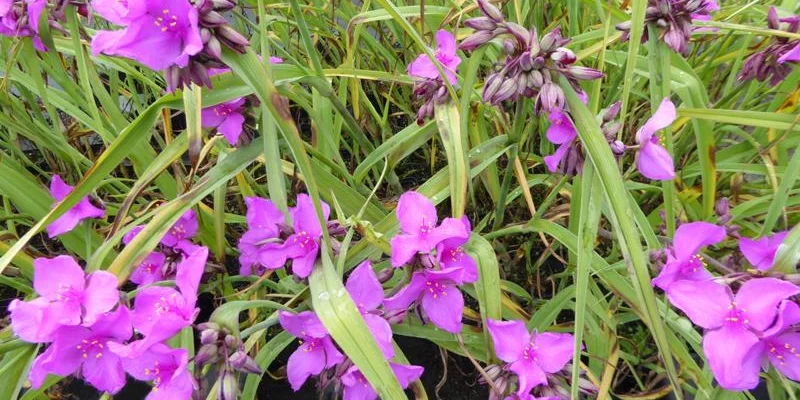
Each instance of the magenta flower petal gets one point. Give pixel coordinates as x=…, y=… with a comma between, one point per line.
x=150, y=270
x=675, y=270
x=72, y=217
x=791, y=55
x=302, y=324
x=304, y=216
x=704, y=302
x=406, y=373
x=415, y=212
x=727, y=351
x=382, y=333
x=166, y=368
x=662, y=118
x=444, y=306
x=552, y=161
x=783, y=355
x=529, y=374
x=231, y=128
x=553, y=350
x=356, y=386
x=561, y=129
x=61, y=360
x=423, y=67
x=303, y=266
x=788, y=315
x=114, y=11
x=691, y=237
x=100, y=296
x=761, y=252
x=760, y=297
x=364, y=287
x=509, y=338
x=456, y=257
x=189, y=272
x=263, y=216
x=408, y=294
x=158, y=314
x=185, y=228
x=30, y=320
x=53, y=277
x=655, y=162
x=310, y=359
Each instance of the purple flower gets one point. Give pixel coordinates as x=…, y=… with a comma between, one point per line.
x=367, y=293
x=438, y=295
x=185, y=228
x=674, y=17
x=159, y=34
x=165, y=367
x=356, y=386
x=770, y=61
x=779, y=345
x=561, y=132
x=655, y=162
x=423, y=67
x=316, y=351
x=683, y=262
x=160, y=312
x=263, y=230
x=733, y=324
x=21, y=19
x=761, y=252
x=85, y=349
x=68, y=297
x=70, y=219
x=150, y=270
x=530, y=355
x=451, y=254
x=417, y=217
x=302, y=247
x=226, y=118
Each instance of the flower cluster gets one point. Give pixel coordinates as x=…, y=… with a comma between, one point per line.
x=744, y=331
x=437, y=259
x=317, y=354
x=89, y=330
x=428, y=83
x=532, y=66
x=20, y=18
x=181, y=37
x=270, y=242
x=774, y=62
x=674, y=18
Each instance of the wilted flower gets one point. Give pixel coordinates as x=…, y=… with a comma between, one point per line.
x=70, y=219
x=774, y=62
x=733, y=324
x=683, y=262
x=428, y=84
x=437, y=294
x=655, y=162
x=84, y=351
x=316, y=351
x=166, y=368
x=531, y=356
x=419, y=233
x=532, y=66
x=20, y=18
x=761, y=252
x=367, y=293
x=68, y=297
x=674, y=18
x=161, y=312
x=356, y=386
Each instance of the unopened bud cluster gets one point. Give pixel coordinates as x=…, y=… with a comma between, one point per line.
x=532, y=64
x=219, y=346
x=775, y=61
x=674, y=17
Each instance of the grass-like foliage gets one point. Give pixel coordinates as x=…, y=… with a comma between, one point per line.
x=212, y=199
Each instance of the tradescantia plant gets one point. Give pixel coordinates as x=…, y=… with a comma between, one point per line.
x=219, y=199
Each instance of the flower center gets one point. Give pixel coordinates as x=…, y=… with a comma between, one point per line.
x=157, y=372
x=178, y=230
x=693, y=265
x=736, y=316
x=91, y=347
x=436, y=289
x=165, y=305
x=781, y=352
x=222, y=110
x=67, y=293
x=529, y=352
x=311, y=344
x=303, y=239
x=453, y=255
x=167, y=21
x=426, y=228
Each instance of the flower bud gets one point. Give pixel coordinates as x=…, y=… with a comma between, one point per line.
x=551, y=97
x=223, y=5
x=481, y=24
x=491, y=86
x=213, y=18
x=214, y=48
x=476, y=40
x=208, y=336
x=611, y=112
x=232, y=342
x=232, y=38
x=208, y=353
x=536, y=79
x=509, y=46
x=722, y=206
x=526, y=61
x=242, y=362
x=617, y=147
x=395, y=317
x=610, y=130
x=385, y=275
x=549, y=41
x=519, y=32
x=490, y=11
x=563, y=55
x=585, y=73
x=507, y=89
x=228, y=386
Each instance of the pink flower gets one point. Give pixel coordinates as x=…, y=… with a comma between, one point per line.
x=683, y=262
x=561, y=132
x=450, y=254
x=356, y=386
x=437, y=294
x=367, y=293
x=423, y=67
x=655, y=162
x=316, y=351
x=761, y=252
x=70, y=219
x=226, y=118
x=263, y=230
x=165, y=367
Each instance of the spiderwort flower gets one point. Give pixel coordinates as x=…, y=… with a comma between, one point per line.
x=733, y=324
x=562, y=132
x=114, y=11
x=159, y=34
x=367, y=293
x=166, y=368
x=70, y=219
x=436, y=292
x=302, y=247
x=316, y=351
x=84, y=350
x=423, y=67
x=356, y=386
x=779, y=345
x=160, y=312
x=227, y=118
x=655, y=162
x=417, y=217
x=68, y=297
x=150, y=270
x=263, y=229
x=683, y=262
x=531, y=356
x=184, y=229
x=761, y=252
x=21, y=19
x=450, y=254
